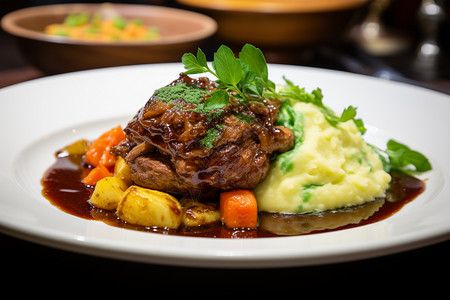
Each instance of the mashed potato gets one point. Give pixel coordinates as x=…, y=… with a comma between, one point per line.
x=330, y=167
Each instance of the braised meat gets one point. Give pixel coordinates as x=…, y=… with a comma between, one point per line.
x=175, y=145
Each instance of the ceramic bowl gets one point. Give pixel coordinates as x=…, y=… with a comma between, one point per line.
x=181, y=31
x=278, y=23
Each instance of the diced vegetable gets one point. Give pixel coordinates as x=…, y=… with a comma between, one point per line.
x=239, y=209
x=98, y=152
x=199, y=214
x=96, y=174
x=108, y=192
x=79, y=147
x=147, y=207
x=96, y=27
x=99, y=156
x=122, y=171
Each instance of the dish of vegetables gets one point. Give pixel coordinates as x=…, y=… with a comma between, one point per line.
x=103, y=27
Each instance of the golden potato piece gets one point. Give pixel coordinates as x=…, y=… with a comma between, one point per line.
x=147, y=207
x=108, y=193
x=122, y=171
x=77, y=148
x=199, y=214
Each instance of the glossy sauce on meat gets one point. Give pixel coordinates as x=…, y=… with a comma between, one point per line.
x=176, y=145
x=62, y=186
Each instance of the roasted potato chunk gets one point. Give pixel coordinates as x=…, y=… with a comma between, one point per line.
x=199, y=214
x=122, y=171
x=77, y=148
x=108, y=193
x=147, y=207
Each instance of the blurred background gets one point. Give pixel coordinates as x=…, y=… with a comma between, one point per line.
x=401, y=40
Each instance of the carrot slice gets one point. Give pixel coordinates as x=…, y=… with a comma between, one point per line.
x=239, y=209
x=98, y=152
x=95, y=151
x=96, y=174
x=98, y=155
x=107, y=159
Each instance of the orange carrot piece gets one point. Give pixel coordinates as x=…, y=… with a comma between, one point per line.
x=96, y=174
x=98, y=152
x=116, y=135
x=107, y=159
x=239, y=209
x=95, y=152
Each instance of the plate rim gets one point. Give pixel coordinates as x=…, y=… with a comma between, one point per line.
x=225, y=262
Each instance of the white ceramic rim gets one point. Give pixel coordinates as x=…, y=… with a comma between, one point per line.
x=37, y=117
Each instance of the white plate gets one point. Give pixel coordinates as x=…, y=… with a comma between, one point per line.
x=40, y=116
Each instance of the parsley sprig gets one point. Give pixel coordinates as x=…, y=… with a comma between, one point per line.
x=399, y=157
x=244, y=77
x=293, y=93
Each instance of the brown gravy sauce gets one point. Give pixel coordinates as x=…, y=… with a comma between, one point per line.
x=62, y=186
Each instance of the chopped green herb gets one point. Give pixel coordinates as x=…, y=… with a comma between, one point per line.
x=210, y=104
x=211, y=136
x=190, y=94
x=307, y=191
x=211, y=115
x=293, y=120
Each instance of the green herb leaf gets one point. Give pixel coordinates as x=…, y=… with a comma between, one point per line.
x=201, y=59
x=400, y=157
x=294, y=93
x=254, y=59
x=348, y=114
x=360, y=125
x=227, y=67
x=219, y=99
x=191, y=64
x=246, y=76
